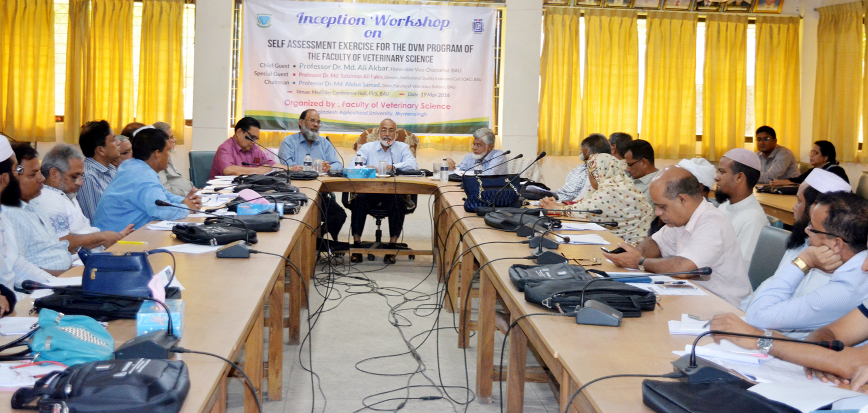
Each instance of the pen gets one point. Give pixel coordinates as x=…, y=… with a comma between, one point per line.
x=132, y=243
x=670, y=282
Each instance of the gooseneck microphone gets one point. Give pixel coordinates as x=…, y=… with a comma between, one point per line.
x=233, y=250
x=704, y=372
x=546, y=211
x=285, y=166
x=153, y=345
x=540, y=156
x=495, y=166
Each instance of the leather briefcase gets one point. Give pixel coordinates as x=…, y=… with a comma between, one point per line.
x=682, y=397
x=267, y=221
x=566, y=295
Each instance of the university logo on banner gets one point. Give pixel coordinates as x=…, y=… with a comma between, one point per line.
x=263, y=20
x=478, y=26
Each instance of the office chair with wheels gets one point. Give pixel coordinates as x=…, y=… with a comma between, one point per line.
x=379, y=213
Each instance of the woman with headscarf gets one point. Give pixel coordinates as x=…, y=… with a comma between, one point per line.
x=615, y=195
x=822, y=156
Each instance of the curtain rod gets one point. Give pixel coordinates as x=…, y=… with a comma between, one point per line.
x=702, y=15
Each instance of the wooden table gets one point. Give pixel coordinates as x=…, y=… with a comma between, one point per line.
x=224, y=310
x=778, y=206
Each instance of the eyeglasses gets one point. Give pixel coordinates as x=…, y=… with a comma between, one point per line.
x=827, y=233
x=630, y=165
x=477, y=145
x=254, y=137
x=313, y=121
x=766, y=139
x=19, y=169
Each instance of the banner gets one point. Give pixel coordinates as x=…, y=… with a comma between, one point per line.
x=428, y=68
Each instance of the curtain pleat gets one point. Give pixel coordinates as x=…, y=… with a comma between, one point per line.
x=560, y=94
x=724, y=97
x=777, y=91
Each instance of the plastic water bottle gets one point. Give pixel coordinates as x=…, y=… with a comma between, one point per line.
x=477, y=169
x=360, y=163
x=308, y=163
x=444, y=171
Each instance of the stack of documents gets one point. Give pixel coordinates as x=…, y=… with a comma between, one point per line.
x=587, y=239
x=13, y=376
x=688, y=326
x=168, y=225
x=16, y=326
x=580, y=226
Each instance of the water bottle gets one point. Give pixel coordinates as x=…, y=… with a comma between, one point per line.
x=477, y=169
x=444, y=171
x=308, y=163
x=360, y=163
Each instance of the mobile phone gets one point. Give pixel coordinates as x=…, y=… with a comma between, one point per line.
x=614, y=251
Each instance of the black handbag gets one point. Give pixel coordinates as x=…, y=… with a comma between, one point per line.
x=491, y=191
x=112, y=386
x=302, y=175
x=566, y=295
x=510, y=219
x=291, y=201
x=128, y=273
x=75, y=301
x=267, y=221
x=212, y=234
x=682, y=397
x=520, y=274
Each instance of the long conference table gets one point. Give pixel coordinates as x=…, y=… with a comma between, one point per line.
x=226, y=301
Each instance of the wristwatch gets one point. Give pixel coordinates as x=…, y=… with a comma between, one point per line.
x=765, y=344
x=799, y=262
x=641, y=267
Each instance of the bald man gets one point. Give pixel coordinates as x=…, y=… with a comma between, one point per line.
x=696, y=235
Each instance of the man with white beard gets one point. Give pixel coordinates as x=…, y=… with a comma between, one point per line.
x=307, y=141
x=482, y=152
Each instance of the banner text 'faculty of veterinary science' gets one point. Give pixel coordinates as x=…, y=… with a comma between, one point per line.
x=429, y=68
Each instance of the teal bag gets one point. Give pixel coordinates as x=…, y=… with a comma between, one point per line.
x=70, y=339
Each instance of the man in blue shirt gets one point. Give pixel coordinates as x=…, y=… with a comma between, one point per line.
x=100, y=148
x=307, y=141
x=482, y=152
x=397, y=155
x=131, y=195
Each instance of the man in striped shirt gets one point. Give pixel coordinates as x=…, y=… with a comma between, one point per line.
x=100, y=148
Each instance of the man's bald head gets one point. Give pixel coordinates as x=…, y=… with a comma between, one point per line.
x=676, y=194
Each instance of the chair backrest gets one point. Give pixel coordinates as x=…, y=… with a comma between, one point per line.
x=862, y=188
x=200, y=167
x=804, y=167
x=770, y=248
x=370, y=135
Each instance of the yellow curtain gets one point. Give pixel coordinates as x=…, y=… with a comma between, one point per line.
x=99, y=66
x=724, y=84
x=161, y=66
x=27, y=69
x=777, y=94
x=839, y=76
x=864, y=156
x=610, y=98
x=560, y=99
x=669, y=107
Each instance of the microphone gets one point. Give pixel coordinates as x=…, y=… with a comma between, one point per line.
x=237, y=249
x=285, y=166
x=706, y=372
x=343, y=163
x=541, y=241
x=546, y=211
x=540, y=156
x=495, y=166
x=154, y=345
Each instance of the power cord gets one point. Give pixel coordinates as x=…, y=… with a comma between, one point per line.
x=249, y=382
x=673, y=375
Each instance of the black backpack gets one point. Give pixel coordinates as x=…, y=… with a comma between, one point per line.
x=116, y=386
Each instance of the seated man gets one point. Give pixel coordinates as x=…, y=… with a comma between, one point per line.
x=130, y=197
x=483, y=154
x=696, y=235
x=100, y=147
x=704, y=172
x=776, y=162
x=737, y=174
x=397, y=155
x=619, y=142
x=819, y=281
x=577, y=183
x=307, y=141
x=125, y=148
x=639, y=156
x=63, y=167
x=240, y=155
x=36, y=239
x=14, y=268
x=171, y=179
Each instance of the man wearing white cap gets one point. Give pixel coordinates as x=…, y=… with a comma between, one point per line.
x=704, y=172
x=821, y=279
x=14, y=268
x=737, y=174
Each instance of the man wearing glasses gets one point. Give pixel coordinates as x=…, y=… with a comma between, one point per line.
x=483, y=153
x=240, y=155
x=776, y=162
x=171, y=178
x=820, y=280
x=63, y=169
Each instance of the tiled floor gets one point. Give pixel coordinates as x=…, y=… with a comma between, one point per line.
x=361, y=327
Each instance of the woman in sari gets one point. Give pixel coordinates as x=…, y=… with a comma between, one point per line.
x=615, y=195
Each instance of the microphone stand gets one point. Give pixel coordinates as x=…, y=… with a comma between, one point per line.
x=285, y=166
x=495, y=166
x=154, y=345
x=237, y=249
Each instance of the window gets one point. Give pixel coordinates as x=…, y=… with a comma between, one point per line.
x=61, y=32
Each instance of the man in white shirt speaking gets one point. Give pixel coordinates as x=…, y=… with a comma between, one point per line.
x=737, y=173
x=63, y=168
